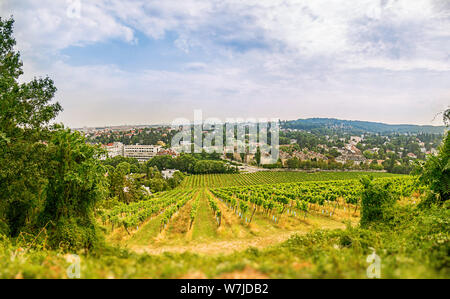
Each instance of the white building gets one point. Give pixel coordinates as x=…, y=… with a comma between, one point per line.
x=142, y=153
x=115, y=149
x=168, y=173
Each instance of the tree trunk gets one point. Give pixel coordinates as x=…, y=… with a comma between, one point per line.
x=254, y=210
x=127, y=230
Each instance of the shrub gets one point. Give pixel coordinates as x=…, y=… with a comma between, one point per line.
x=375, y=199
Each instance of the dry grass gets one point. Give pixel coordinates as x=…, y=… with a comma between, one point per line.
x=247, y=273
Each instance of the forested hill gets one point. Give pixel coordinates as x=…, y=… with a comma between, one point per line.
x=355, y=126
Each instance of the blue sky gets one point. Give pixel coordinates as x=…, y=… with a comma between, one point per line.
x=142, y=62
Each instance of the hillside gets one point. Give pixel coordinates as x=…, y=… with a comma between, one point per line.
x=356, y=126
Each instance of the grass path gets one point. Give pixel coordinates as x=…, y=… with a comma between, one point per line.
x=205, y=226
x=147, y=233
x=230, y=246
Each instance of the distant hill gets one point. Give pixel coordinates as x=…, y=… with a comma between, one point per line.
x=356, y=126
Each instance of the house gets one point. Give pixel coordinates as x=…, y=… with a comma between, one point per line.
x=380, y=162
x=168, y=173
x=355, y=139
x=433, y=151
x=147, y=190
x=167, y=152
x=411, y=155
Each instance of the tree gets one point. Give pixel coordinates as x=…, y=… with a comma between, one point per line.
x=77, y=183
x=293, y=163
x=25, y=113
x=435, y=172
x=447, y=117
x=134, y=163
x=334, y=153
x=258, y=156
x=151, y=171
x=158, y=185
x=349, y=164
x=118, y=181
x=162, y=162
x=185, y=163
x=375, y=199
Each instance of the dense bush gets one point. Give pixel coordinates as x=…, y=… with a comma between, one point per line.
x=375, y=199
x=194, y=164
x=77, y=184
x=435, y=173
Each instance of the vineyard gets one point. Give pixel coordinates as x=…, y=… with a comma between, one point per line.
x=294, y=199
x=243, y=207
x=131, y=216
x=269, y=177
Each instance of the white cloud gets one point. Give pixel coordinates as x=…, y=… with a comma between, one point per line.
x=293, y=58
x=46, y=25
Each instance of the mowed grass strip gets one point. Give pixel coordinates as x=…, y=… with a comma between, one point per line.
x=179, y=225
x=147, y=233
x=205, y=225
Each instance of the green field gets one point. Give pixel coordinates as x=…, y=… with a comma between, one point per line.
x=247, y=226
x=201, y=219
x=271, y=177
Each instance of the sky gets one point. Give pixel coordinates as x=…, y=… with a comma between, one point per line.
x=118, y=62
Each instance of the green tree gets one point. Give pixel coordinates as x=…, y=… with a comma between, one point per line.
x=293, y=163
x=118, y=180
x=435, y=172
x=25, y=113
x=375, y=199
x=258, y=156
x=447, y=117
x=162, y=162
x=77, y=183
x=186, y=163
x=158, y=185
x=334, y=153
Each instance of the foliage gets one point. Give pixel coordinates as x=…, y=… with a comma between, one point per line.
x=77, y=183
x=435, y=173
x=356, y=127
x=131, y=215
x=135, y=167
x=414, y=244
x=25, y=112
x=376, y=197
x=191, y=163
